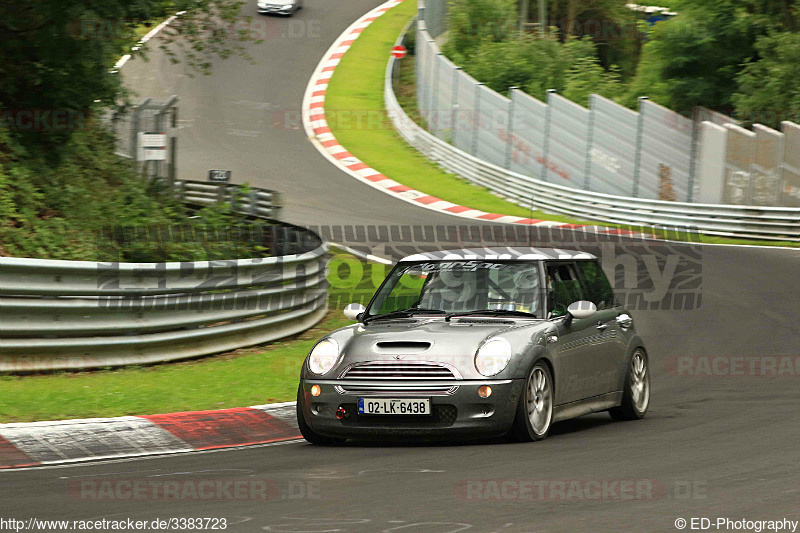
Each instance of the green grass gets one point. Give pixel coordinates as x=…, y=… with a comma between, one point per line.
x=253, y=376
x=356, y=90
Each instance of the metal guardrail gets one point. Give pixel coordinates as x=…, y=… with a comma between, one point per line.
x=259, y=203
x=69, y=315
x=769, y=223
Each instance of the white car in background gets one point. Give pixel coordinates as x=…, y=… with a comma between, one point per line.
x=279, y=7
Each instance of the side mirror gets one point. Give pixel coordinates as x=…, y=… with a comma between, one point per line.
x=353, y=310
x=580, y=310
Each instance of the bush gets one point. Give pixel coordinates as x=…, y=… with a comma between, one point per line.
x=536, y=65
x=769, y=87
x=472, y=22
x=56, y=210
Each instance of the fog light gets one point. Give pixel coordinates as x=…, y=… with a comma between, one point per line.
x=340, y=413
x=315, y=390
x=484, y=391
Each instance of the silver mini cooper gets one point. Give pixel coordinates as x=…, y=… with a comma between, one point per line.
x=476, y=343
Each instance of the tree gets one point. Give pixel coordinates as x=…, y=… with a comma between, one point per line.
x=55, y=55
x=769, y=87
x=586, y=76
x=472, y=22
x=693, y=59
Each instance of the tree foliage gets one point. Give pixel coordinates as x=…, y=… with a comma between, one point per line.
x=472, y=22
x=694, y=59
x=536, y=65
x=57, y=54
x=769, y=88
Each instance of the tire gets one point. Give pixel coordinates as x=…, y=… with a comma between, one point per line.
x=535, y=406
x=636, y=394
x=305, y=430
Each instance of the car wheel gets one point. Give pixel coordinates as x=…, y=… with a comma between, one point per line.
x=305, y=430
x=636, y=395
x=535, y=407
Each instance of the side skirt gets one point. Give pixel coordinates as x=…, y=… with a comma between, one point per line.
x=594, y=404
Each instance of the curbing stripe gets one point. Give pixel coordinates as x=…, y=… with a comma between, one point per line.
x=69, y=441
x=13, y=457
x=206, y=430
x=322, y=138
x=80, y=440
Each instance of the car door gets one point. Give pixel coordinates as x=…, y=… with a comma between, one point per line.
x=608, y=349
x=573, y=345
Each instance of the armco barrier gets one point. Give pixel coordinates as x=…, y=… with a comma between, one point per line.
x=61, y=315
x=772, y=223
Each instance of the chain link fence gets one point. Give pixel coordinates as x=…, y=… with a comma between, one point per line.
x=149, y=116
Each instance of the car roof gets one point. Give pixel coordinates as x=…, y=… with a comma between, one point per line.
x=507, y=254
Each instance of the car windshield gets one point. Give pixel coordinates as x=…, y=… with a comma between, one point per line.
x=451, y=287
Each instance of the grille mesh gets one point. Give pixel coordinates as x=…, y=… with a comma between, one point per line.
x=397, y=370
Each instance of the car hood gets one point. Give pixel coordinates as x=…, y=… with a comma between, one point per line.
x=453, y=343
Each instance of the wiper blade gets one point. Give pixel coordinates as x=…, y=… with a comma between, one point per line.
x=404, y=313
x=491, y=312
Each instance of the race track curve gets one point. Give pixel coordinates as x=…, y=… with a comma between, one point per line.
x=716, y=445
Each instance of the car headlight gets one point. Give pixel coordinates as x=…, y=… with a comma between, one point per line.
x=493, y=356
x=323, y=356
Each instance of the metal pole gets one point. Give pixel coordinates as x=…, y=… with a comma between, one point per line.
x=173, y=163
x=436, y=111
x=546, y=140
x=510, y=128
x=476, y=111
x=159, y=128
x=692, y=161
x=637, y=161
x=454, y=104
x=587, y=173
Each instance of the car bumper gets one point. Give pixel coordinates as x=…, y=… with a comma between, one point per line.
x=460, y=413
x=276, y=10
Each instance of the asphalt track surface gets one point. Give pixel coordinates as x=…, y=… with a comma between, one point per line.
x=717, y=445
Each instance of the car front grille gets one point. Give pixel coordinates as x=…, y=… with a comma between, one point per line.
x=392, y=389
x=399, y=370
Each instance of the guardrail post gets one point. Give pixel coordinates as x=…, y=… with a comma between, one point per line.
x=587, y=173
x=476, y=112
x=637, y=161
x=234, y=195
x=546, y=139
x=253, y=202
x=454, y=104
x=510, y=127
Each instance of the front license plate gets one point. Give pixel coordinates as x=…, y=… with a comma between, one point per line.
x=393, y=406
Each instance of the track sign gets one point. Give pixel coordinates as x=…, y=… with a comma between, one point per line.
x=219, y=176
x=399, y=51
x=151, y=147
